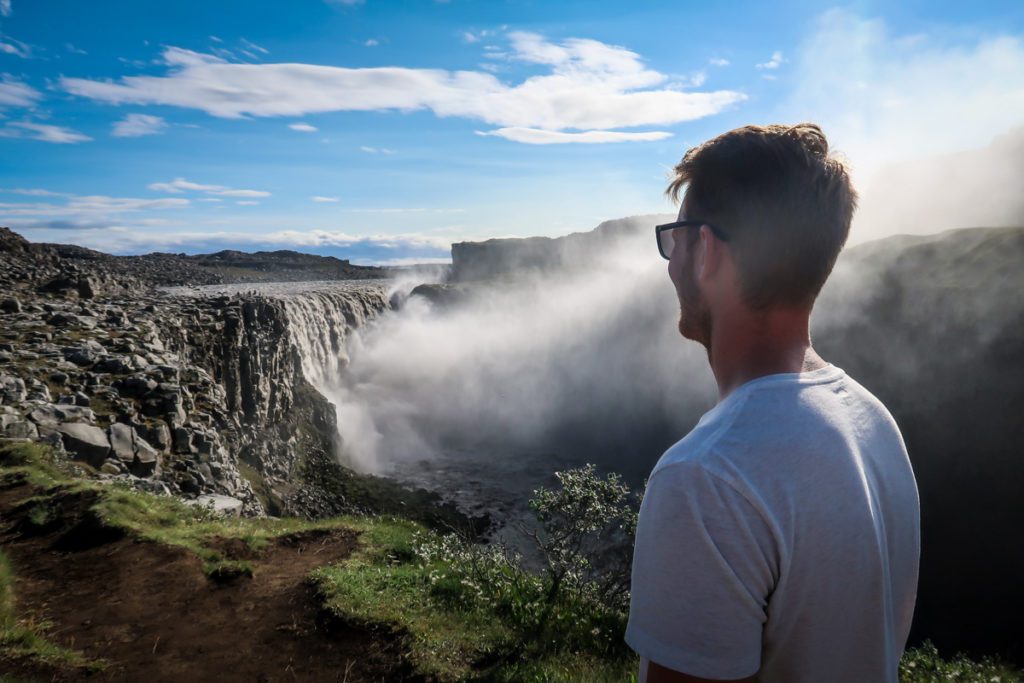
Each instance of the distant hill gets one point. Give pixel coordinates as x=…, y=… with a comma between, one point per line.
x=67, y=267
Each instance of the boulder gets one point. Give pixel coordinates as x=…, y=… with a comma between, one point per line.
x=85, y=354
x=136, y=386
x=110, y=467
x=12, y=390
x=115, y=365
x=50, y=415
x=10, y=305
x=37, y=391
x=147, y=459
x=16, y=427
x=86, y=441
x=220, y=504
x=122, y=441
x=158, y=435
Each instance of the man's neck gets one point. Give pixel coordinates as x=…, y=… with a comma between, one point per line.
x=745, y=346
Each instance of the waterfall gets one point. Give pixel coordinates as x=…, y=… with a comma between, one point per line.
x=320, y=320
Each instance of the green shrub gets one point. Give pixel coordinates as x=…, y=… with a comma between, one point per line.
x=924, y=665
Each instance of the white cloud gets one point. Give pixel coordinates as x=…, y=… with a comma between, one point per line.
x=70, y=47
x=371, y=42
x=247, y=203
x=242, y=193
x=80, y=212
x=254, y=47
x=323, y=200
x=909, y=96
x=535, y=136
x=405, y=210
x=718, y=61
x=14, y=93
x=475, y=37
x=137, y=125
x=216, y=39
x=14, y=47
x=303, y=127
x=774, y=63
x=44, y=132
x=589, y=86
x=33, y=192
x=376, y=150
x=5, y=8
x=346, y=3
x=179, y=185
x=889, y=102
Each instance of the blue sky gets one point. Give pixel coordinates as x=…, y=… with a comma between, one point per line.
x=383, y=131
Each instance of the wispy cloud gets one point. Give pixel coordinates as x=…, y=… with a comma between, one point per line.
x=43, y=131
x=247, y=203
x=253, y=46
x=33, y=192
x=14, y=93
x=70, y=47
x=137, y=125
x=535, y=136
x=303, y=127
x=396, y=209
x=323, y=200
x=5, y=8
x=180, y=185
x=371, y=42
x=718, y=61
x=14, y=47
x=774, y=63
x=589, y=86
x=67, y=211
x=375, y=150
x=476, y=36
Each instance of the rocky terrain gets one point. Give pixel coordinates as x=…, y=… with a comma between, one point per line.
x=198, y=396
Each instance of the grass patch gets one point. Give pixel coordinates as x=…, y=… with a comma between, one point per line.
x=383, y=585
x=462, y=611
x=159, y=519
x=25, y=639
x=456, y=627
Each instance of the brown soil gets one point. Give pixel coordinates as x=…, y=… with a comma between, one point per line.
x=150, y=612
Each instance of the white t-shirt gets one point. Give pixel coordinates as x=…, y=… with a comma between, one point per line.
x=780, y=537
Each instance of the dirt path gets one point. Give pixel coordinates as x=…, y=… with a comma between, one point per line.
x=153, y=615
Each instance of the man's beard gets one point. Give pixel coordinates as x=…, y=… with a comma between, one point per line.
x=694, y=316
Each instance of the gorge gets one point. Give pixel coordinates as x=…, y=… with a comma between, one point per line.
x=536, y=355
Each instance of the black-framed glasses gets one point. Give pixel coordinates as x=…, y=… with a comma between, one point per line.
x=666, y=241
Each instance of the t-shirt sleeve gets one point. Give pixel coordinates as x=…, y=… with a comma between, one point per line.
x=704, y=566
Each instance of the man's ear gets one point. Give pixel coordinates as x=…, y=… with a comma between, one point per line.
x=710, y=257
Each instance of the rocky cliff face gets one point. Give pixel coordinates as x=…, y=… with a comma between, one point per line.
x=499, y=258
x=186, y=393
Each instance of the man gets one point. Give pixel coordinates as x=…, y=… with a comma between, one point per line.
x=779, y=540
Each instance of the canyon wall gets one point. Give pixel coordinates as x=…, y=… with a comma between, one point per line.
x=204, y=395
